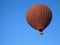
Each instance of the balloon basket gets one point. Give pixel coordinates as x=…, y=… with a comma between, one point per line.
x=41, y=33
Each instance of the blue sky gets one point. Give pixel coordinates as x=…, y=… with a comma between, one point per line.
x=14, y=29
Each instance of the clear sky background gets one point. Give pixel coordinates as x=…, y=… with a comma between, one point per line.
x=14, y=29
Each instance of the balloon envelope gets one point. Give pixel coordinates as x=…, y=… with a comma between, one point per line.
x=39, y=16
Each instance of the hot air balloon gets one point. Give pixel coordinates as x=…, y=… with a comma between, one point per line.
x=39, y=17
